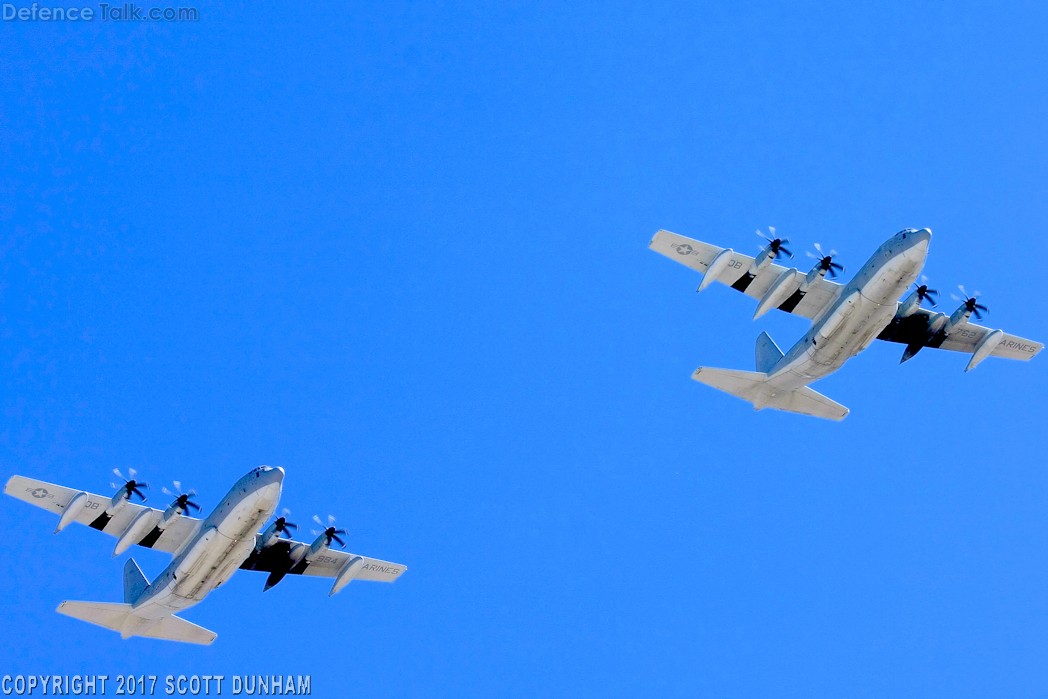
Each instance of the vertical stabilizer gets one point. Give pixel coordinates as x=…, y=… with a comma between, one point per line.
x=135, y=582
x=768, y=353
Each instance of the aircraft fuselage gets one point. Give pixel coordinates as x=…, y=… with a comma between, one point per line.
x=225, y=539
x=866, y=305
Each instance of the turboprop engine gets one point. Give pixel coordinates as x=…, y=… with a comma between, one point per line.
x=324, y=537
x=824, y=265
x=969, y=307
x=124, y=492
x=279, y=526
x=912, y=302
x=179, y=506
x=775, y=249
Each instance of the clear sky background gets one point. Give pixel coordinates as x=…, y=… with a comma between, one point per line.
x=400, y=250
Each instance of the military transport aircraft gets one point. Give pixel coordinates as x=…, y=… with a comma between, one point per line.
x=846, y=318
x=205, y=552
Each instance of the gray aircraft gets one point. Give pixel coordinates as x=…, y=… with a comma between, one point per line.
x=846, y=318
x=205, y=553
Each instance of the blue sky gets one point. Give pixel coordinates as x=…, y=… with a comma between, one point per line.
x=400, y=251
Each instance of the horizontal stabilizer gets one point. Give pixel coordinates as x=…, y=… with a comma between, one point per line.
x=120, y=618
x=753, y=387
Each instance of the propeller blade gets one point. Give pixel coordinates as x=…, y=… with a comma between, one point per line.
x=193, y=505
x=316, y=518
x=131, y=472
x=289, y=525
x=340, y=542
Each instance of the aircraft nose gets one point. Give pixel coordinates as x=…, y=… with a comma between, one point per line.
x=912, y=238
x=269, y=474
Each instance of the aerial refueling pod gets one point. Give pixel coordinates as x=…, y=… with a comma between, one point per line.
x=346, y=574
x=716, y=268
x=985, y=348
x=72, y=510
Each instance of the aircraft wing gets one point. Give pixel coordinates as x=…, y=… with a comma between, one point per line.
x=277, y=559
x=55, y=499
x=913, y=330
x=698, y=255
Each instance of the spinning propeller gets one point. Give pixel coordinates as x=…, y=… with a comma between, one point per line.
x=181, y=498
x=826, y=260
x=281, y=525
x=329, y=531
x=923, y=292
x=777, y=245
x=970, y=302
x=130, y=484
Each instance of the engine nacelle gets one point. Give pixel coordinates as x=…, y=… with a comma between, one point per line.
x=268, y=537
x=72, y=511
x=910, y=304
x=778, y=292
x=295, y=556
x=320, y=544
x=958, y=317
x=134, y=531
x=763, y=259
x=346, y=574
x=117, y=501
x=172, y=513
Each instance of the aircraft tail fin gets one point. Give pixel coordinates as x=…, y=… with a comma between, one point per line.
x=135, y=582
x=753, y=387
x=768, y=353
x=121, y=618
